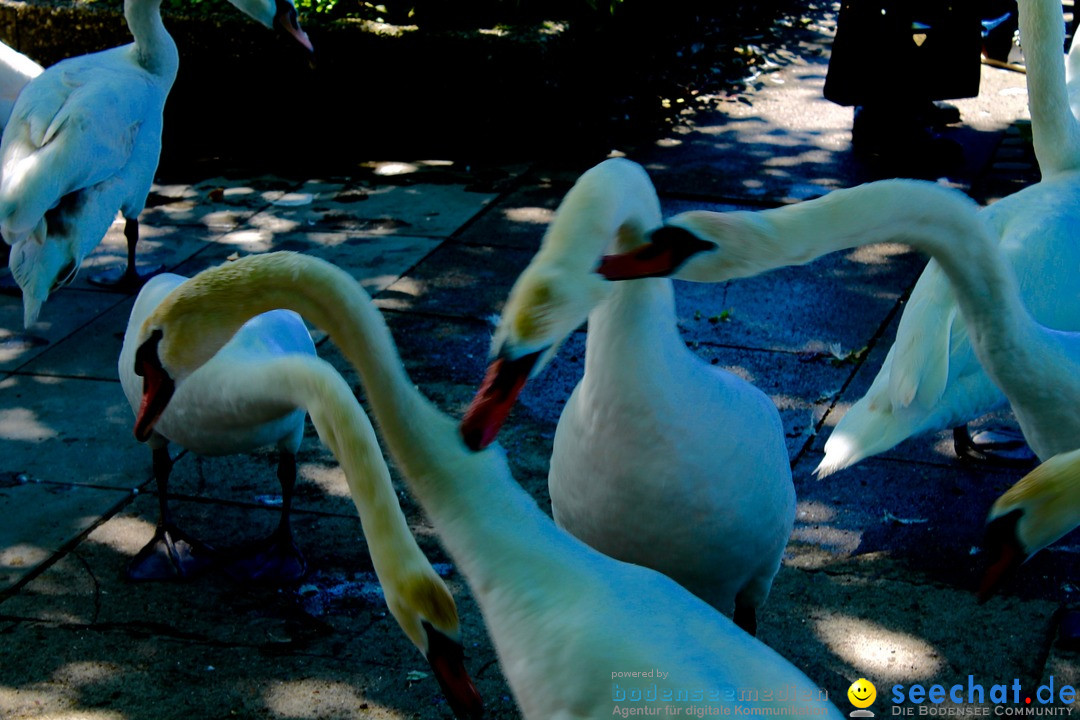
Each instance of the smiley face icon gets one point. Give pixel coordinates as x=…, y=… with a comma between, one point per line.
x=862, y=693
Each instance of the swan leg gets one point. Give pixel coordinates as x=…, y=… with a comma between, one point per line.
x=1001, y=447
x=748, y=600
x=171, y=553
x=276, y=559
x=130, y=280
x=8, y=286
x=746, y=617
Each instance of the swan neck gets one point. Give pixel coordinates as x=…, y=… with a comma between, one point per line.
x=334, y=302
x=943, y=223
x=631, y=328
x=611, y=203
x=154, y=48
x=1055, y=132
x=314, y=385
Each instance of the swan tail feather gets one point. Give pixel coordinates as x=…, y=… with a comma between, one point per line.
x=868, y=428
x=918, y=371
x=36, y=265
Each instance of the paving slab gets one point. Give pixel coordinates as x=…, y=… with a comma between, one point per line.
x=67, y=430
x=41, y=519
x=64, y=313
x=92, y=350
x=218, y=203
x=427, y=210
x=375, y=260
x=458, y=280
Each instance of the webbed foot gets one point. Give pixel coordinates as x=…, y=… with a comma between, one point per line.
x=1003, y=447
x=275, y=560
x=171, y=555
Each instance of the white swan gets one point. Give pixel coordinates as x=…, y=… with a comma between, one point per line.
x=659, y=458
x=931, y=378
x=1033, y=513
x=208, y=421
x=1037, y=368
x=15, y=71
x=83, y=142
x=255, y=392
x=564, y=618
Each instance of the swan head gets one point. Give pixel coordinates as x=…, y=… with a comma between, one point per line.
x=545, y=306
x=701, y=246
x=40, y=266
x=280, y=14
x=1033, y=513
x=611, y=205
x=425, y=610
x=187, y=328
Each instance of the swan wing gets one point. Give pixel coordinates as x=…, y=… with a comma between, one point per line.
x=920, y=368
x=72, y=127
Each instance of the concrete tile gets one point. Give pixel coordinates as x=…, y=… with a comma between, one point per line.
x=519, y=220
x=218, y=203
x=459, y=281
x=424, y=210
x=72, y=431
x=42, y=518
x=375, y=260
x=522, y=217
x=90, y=352
x=66, y=311
x=843, y=299
x=251, y=478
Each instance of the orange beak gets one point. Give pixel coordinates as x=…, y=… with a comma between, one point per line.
x=496, y=397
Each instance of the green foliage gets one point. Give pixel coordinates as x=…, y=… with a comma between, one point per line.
x=611, y=4
x=444, y=13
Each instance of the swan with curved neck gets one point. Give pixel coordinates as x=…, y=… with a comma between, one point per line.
x=255, y=391
x=207, y=421
x=562, y=616
x=83, y=142
x=659, y=458
x=1034, y=366
x=931, y=378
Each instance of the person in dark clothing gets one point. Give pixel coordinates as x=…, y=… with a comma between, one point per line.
x=893, y=61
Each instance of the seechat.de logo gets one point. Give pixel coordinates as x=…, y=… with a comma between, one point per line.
x=862, y=695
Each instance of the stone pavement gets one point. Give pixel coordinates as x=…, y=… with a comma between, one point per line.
x=878, y=578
